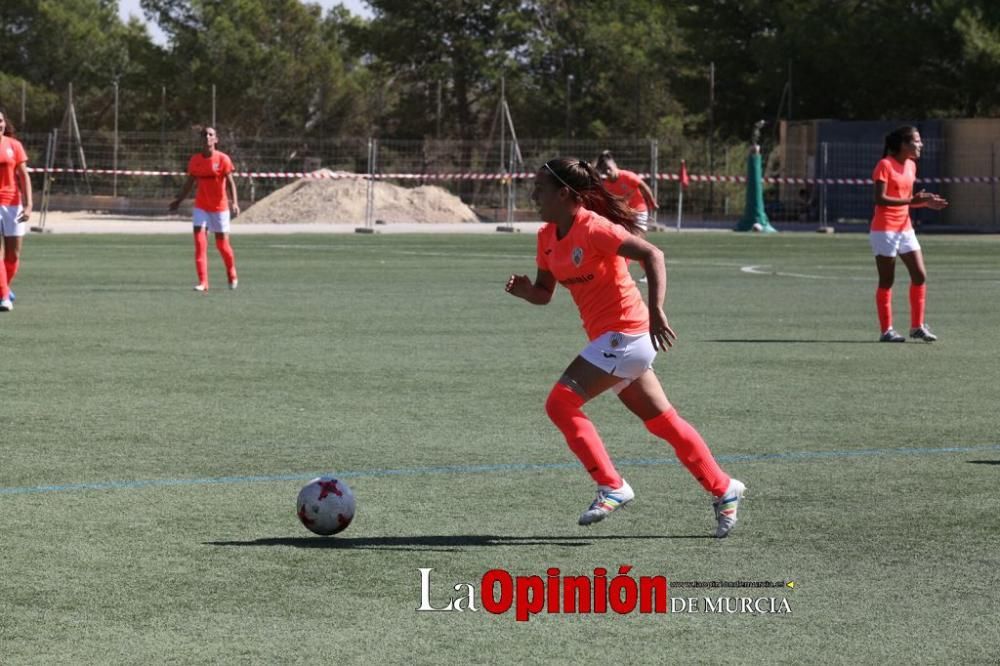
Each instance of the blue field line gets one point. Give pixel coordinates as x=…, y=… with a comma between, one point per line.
x=486, y=469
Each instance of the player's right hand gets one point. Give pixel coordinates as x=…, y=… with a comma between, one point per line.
x=518, y=285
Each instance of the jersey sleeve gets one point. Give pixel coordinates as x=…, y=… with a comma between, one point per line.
x=20, y=157
x=541, y=260
x=227, y=166
x=606, y=238
x=881, y=172
x=190, y=167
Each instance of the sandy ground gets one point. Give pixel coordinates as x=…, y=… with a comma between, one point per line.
x=95, y=223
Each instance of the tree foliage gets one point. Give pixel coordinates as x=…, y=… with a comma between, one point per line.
x=582, y=68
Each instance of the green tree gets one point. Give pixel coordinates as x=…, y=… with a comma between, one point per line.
x=278, y=65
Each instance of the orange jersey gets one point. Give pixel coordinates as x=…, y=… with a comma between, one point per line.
x=627, y=185
x=586, y=262
x=211, y=173
x=11, y=155
x=898, y=178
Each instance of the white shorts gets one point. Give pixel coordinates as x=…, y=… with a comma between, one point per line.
x=642, y=219
x=625, y=356
x=891, y=243
x=217, y=223
x=9, y=223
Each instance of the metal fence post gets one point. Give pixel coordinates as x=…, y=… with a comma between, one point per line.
x=654, y=172
x=822, y=190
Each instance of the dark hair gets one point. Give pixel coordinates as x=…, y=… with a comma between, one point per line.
x=604, y=159
x=895, y=139
x=9, y=129
x=587, y=187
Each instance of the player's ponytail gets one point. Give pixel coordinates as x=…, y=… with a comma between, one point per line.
x=895, y=139
x=586, y=185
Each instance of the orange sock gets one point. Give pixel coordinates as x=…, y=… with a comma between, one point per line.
x=228, y=258
x=11, y=265
x=563, y=407
x=4, y=287
x=691, y=450
x=918, y=301
x=201, y=256
x=883, y=303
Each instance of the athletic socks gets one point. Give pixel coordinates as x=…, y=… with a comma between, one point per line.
x=883, y=303
x=228, y=258
x=691, y=450
x=918, y=301
x=563, y=407
x=11, y=266
x=201, y=257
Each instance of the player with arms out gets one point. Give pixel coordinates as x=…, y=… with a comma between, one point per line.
x=588, y=236
x=212, y=170
x=892, y=231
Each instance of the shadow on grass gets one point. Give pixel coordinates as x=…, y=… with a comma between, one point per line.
x=443, y=542
x=796, y=342
x=983, y=462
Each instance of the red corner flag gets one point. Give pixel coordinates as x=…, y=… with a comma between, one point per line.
x=685, y=180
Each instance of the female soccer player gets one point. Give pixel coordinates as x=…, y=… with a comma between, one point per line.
x=892, y=231
x=584, y=246
x=629, y=185
x=213, y=171
x=15, y=188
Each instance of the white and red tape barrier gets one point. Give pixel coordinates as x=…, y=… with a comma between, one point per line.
x=323, y=175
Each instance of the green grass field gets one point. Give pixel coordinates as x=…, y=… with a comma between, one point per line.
x=153, y=442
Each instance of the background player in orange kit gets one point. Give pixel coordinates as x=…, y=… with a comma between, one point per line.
x=213, y=171
x=584, y=246
x=892, y=231
x=628, y=184
x=15, y=207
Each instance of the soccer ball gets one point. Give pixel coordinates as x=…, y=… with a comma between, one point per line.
x=326, y=506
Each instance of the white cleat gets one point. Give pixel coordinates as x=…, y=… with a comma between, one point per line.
x=726, y=506
x=607, y=501
x=201, y=287
x=922, y=333
x=6, y=305
x=234, y=284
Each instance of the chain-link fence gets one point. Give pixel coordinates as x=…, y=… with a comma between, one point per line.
x=475, y=171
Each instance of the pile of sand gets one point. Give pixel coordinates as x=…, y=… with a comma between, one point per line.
x=343, y=200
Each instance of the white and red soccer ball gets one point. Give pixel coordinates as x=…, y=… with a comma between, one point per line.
x=326, y=506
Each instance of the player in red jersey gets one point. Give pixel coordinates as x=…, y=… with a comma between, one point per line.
x=15, y=207
x=212, y=170
x=892, y=231
x=584, y=246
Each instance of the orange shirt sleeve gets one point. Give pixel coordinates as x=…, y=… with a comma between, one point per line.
x=20, y=157
x=227, y=166
x=607, y=238
x=881, y=172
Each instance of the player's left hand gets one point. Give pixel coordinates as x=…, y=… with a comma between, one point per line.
x=25, y=214
x=659, y=330
x=235, y=210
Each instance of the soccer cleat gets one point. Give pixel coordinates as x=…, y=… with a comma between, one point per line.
x=607, y=500
x=234, y=284
x=6, y=305
x=11, y=296
x=201, y=287
x=891, y=335
x=726, y=506
x=922, y=333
